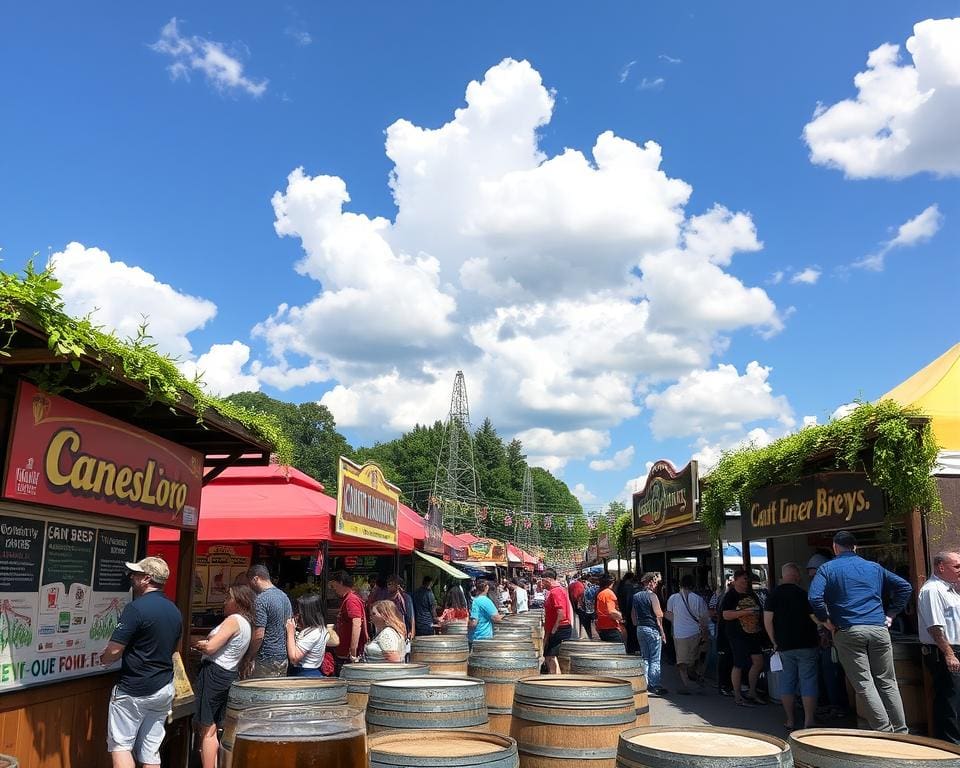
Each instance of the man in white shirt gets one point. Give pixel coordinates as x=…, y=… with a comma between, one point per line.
x=938, y=609
x=688, y=614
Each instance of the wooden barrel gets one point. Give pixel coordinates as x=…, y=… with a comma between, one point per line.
x=442, y=749
x=501, y=644
x=359, y=677
x=570, y=721
x=632, y=668
x=455, y=627
x=442, y=653
x=570, y=648
x=696, y=746
x=500, y=672
x=276, y=693
x=841, y=748
x=443, y=702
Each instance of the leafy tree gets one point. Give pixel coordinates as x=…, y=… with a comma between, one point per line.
x=317, y=445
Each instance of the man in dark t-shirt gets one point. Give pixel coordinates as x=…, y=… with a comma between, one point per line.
x=790, y=623
x=145, y=638
x=425, y=607
x=740, y=610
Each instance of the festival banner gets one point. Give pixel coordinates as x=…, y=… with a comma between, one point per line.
x=433, y=521
x=368, y=507
x=484, y=551
x=603, y=545
x=66, y=455
x=668, y=499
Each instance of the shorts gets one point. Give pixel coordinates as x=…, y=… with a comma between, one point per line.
x=269, y=668
x=744, y=646
x=213, y=685
x=135, y=723
x=564, y=632
x=688, y=650
x=800, y=667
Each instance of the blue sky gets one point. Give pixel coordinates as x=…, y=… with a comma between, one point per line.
x=606, y=307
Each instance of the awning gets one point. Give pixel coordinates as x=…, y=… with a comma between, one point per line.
x=445, y=567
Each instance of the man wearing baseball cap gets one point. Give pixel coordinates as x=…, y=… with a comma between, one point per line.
x=145, y=638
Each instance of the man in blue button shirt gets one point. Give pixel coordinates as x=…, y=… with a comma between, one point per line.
x=847, y=596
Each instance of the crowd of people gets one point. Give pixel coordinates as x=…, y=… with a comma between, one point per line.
x=837, y=629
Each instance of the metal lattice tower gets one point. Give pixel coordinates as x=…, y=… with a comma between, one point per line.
x=528, y=538
x=456, y=484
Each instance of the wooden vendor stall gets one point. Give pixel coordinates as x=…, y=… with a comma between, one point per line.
x=86, y=471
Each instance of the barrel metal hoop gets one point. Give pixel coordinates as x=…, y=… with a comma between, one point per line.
x=622, y=718
x=566, y=753
x=374, y=718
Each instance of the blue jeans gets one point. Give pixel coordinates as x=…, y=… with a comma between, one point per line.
x=650, y=647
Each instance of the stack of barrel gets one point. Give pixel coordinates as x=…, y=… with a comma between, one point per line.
x=510, y=655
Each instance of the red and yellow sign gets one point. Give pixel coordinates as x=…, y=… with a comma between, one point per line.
x=368, y=506
x=485, y=551
x=66, y=455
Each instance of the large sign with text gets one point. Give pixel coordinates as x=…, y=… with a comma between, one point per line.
x=668, y=499
x=65, y=455
x=62, y=589
x=603, y=545
x=825, y=501
x=368, y=507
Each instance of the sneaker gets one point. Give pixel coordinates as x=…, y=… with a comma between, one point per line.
x=726, y=691
x=659, y=691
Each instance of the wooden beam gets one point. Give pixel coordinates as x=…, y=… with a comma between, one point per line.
x=216, y=468
x=32, y=357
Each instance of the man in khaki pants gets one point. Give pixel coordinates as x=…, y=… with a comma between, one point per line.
x=847, y=596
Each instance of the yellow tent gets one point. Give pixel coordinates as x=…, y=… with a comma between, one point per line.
x=935, y=392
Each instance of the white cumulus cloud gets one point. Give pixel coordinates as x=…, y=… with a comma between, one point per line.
x=221, y=369
x=719, y=400
x=552, y=450
x=192, y=53
x=808, y=276
x=919, y=229
x=905, y=118
x=620, y=460
x=583, y=494
x=121, y=297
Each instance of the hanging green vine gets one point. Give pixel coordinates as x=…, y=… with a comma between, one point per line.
x=903, y=455
x=37, y=295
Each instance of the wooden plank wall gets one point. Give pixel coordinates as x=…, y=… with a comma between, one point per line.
x=58, y=726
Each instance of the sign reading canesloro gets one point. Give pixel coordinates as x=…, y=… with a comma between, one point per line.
x=821, y=502
x=368, y=506
x=66, y=455
x=668, y=499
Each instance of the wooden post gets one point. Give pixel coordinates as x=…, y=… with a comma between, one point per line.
x=917, y=561
x=185, y=571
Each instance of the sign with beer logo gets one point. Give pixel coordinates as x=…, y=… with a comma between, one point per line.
x=368, y=506
x=824, y=501
x=484, y=551
x=433, y=522
x=66, y=455
x=668, y=499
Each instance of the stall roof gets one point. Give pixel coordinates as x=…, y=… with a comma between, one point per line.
x=443, y=566
x=935, y=392
x=222, y=440
x=517, y=555
x=281, y=504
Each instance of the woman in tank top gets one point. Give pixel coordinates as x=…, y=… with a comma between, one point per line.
x=648, y=617
x=305, y=648
x=223, y=649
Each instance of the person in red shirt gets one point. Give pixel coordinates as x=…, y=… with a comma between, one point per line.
x=556, y=619
x=351, y=621
x=575, y=590
x=609, y=618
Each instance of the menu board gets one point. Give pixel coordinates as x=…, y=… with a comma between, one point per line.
x=218, y=567
x=62, y=589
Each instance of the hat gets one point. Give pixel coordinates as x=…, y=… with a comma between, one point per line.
x=155, y=567
x=816, y=561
